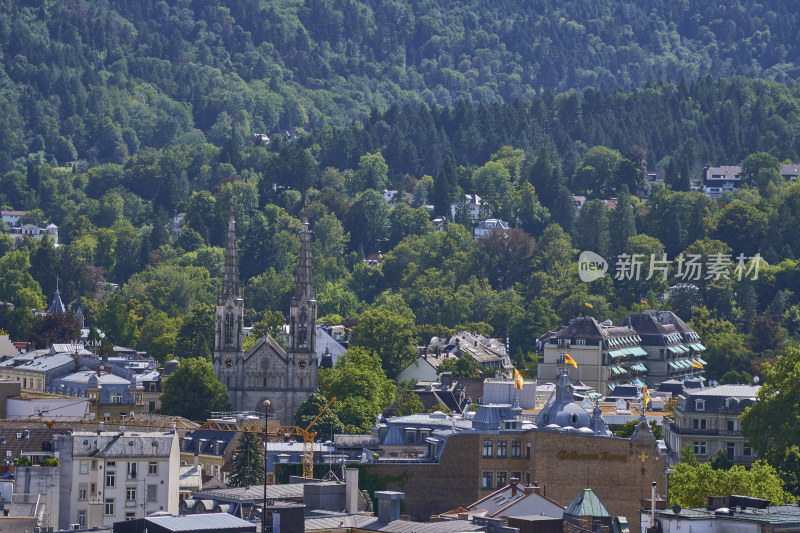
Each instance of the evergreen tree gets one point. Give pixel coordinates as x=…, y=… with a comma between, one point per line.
x=248, y=461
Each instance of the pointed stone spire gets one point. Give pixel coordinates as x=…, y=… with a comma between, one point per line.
x=303, y=288
x=230, y=272
x=57, y=306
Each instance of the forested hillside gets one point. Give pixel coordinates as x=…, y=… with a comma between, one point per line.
x=100, y=80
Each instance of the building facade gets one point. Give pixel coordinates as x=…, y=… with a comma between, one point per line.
x=118, y=476
x=707, y=419
x=267, y=371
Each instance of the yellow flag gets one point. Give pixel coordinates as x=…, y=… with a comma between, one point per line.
x=517, y=380
x=569, y=360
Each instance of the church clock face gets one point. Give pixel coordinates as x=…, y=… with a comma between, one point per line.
x=228, y=362
x=302, y=363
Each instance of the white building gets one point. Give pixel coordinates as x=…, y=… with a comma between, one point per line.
x=486, y=227
x=473, y=204
x=123, y=475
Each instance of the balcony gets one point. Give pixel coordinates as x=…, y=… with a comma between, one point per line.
x=130, y=503
x=132, y=477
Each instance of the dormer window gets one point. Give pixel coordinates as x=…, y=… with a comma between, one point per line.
x=699, y=405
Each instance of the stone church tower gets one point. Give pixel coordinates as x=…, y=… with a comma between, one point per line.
x=267, y=371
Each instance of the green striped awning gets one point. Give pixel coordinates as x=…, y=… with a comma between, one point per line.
x=638, y=350
x=616, y=353
x=699, y=346
x=699, y=360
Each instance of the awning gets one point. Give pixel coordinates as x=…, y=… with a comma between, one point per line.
x=618, y=369
x=673, y=349
x=638, y=350
x=626, y=351
x=640, y=367
x=674, y=365
x=699, y=360
x=685, y=364
x=637, y=382
x=684, y=348
x=615, y=353
x=698, y=346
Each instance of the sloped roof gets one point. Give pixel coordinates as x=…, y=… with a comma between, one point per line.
x=586, y=504
x=201, y=522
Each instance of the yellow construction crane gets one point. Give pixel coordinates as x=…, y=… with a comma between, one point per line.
x=245, y=426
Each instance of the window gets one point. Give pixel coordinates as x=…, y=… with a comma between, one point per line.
x=83, y=490
x=698, y=423
x=130, y=516
x=152, y=493
x=516, y=449
x=528, y=451
x=502, y=478
x=152, y=468
x=82, y=519
x=699, y=405
x=84, y=467
x=111, y=463
x=229, y=328
x=516, y=475
x=109, y=506
x=110, y=478
x=487, y=448
x=130, y=497
x=487, y=480
x=94, y=464
x=502, y=449
x=700, y=447
x=92, y=490
x=411, y=436
x=746, y=450
x=24, y=383
x=731, y=425
x=116, y=397
x=731, y=448
x=131, y=471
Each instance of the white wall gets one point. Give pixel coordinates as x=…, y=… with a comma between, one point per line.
x=47, y=407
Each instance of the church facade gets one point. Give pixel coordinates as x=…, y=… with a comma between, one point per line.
x=267, y=371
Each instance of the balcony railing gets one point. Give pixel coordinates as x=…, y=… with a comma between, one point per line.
x=130, y=503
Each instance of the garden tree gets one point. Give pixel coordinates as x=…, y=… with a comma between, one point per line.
x=734, y=377
x=270, y=324
x=388, y=331
x=361, y=388
x=445, y=186
x=336, y=298
x=597, y=174
x=248, y=461
x=193, y=391
x=633, y=283
x=15, y=275
x=44, y=264
x=721, y=461
x=461, y=367
x=158, y=334
x=195, y=337
x=715, y=293
x=526, y=328
x=366, y=220
x=270, y=290
x=761, y=170
x=505, y=256
x=592, y=229
x=529, y=214
x=743, y=227
x=622, y=222
x=405, y=221
x=407, y=403
x=54, y=328
x=772, y=424
x=492, y=182
x=692, y=483
x=328, y=424
x=725, y=345
x=330, y=239
x=766, y=333
x=372, y=173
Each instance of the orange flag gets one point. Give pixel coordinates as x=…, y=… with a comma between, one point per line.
x=569, y=360
x=517, y=380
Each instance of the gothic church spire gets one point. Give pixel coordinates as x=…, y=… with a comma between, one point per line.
x=230, y=272
x=303, y=288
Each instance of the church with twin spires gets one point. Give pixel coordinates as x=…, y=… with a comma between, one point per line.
x=267, y=371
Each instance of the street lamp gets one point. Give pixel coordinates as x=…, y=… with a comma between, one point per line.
x=266, y=440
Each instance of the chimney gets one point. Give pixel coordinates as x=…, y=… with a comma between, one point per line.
x=514, y=482
x=122, y=431
x=100, y=428
x=196, y=460
x=98, y=370
x=351, y=490
x=532, y=489
x=389, y=505
x=77, y=365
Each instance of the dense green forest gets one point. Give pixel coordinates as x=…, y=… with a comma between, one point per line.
x=102, y=80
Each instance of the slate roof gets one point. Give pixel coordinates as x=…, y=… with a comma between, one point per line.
x=726, y=391
x=112, y=444
x=586, y=504
x=647, y=324
x=502, y=502
x=83, y=377
x=589, y=328
x=253, y=492
x=37, y=440
x=371, y=523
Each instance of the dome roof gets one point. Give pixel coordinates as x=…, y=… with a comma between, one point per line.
x=572, y=415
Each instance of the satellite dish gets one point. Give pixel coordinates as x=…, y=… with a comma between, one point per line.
x=676, y=509
x=755, y=379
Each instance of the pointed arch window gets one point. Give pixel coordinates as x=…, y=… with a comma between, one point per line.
x=229, y=327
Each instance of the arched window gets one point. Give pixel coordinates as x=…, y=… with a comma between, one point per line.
x=229, y=327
